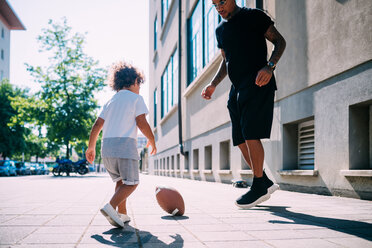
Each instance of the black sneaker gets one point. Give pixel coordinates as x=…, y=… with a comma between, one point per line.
x=257, y=194
x=270, y=186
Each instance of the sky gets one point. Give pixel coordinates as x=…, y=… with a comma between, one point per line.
x=116, y=30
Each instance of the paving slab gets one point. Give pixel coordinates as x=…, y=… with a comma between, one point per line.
x=47, y=211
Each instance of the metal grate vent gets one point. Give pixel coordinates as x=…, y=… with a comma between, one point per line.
x=306, y=145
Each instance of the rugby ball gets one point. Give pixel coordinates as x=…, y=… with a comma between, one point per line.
x=170, y=200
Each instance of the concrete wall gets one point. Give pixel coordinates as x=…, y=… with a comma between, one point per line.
x=324, y=38
x=324, y=75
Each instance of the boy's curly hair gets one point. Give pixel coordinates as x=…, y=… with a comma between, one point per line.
x=123, y=75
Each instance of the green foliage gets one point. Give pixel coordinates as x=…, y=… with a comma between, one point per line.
x=11, y=133
x=68, y=86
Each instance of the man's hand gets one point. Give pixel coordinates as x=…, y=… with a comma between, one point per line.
x=208, y=91
x=263, y=76
x=90, y=155
x=153, y=146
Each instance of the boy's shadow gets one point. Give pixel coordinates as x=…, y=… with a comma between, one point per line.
x=351, y=227
x=132, y=237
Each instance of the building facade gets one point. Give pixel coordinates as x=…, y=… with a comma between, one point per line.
x=8, y=21
x=321, y=139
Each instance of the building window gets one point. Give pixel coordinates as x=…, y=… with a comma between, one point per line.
x=211, y=20
x=195, y=155
x=306, y=145
x=259, y=4
x=299, y=145
x=2, y=33
x=208, y=158
x=155, y=33
x=169, y=85
x=225, y=155
x=165, y=4
x=195, y=42
x=2, y=54
x=155, y=106
x=360, y=136
x=202, y=44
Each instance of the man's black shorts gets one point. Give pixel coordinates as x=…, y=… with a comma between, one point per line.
x=251, y=112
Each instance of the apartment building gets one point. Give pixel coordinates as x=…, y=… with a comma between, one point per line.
x=322, y=129
x=8, y=21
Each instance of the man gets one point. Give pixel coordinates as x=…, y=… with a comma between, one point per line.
x=241, y=36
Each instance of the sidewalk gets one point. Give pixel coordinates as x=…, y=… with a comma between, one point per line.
x=47, y=211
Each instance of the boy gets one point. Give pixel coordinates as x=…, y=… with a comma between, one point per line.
x=119, y=119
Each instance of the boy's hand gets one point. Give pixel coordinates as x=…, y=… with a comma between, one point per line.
x=90, y=155
x=153, y=146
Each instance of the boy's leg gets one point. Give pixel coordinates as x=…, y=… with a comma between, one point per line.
x=122, y=207
x=121, y=194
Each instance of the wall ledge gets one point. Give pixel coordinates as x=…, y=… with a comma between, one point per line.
x=246, y=172
x=311, y=173
x=356, y=173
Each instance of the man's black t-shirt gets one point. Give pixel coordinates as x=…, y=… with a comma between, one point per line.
x=243, y=41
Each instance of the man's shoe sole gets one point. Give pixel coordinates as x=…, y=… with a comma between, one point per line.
x=258, y=201
x=273, y=188
x=112, y=222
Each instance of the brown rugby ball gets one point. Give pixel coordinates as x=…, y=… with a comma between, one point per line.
x=170, y=200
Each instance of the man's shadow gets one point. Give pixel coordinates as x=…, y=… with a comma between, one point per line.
x=351, y=227
x=132, y=237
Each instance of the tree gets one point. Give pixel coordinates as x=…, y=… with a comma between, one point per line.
x=11, y=133
x=68, y=85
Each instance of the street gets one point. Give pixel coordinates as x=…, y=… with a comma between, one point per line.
x=46, y=211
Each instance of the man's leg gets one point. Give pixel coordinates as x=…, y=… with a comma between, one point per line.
x=256, y=154
x=244, y=150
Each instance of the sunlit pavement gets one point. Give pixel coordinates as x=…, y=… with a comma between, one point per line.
x=47, y=211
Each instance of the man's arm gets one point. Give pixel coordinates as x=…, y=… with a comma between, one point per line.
x=144, y=126
x=220, y=75
x=277, y=39
x=265, y=74
x=96, y=129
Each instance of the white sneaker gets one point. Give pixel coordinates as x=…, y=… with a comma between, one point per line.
x=125, y=218
x=112, y=216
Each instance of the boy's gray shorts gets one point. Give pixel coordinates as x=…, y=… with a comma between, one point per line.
x=122, y=169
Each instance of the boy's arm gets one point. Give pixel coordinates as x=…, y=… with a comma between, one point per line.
x=144, y=126
x=96, y=129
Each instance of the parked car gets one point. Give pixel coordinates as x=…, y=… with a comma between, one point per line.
x=43, y=169
x=28, y=167
x=7, y=168
x=21, y=169
x=34, y=168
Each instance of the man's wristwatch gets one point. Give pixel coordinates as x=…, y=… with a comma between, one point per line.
x=272, y=65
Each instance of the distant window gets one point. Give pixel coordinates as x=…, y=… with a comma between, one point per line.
x=155, y=106
x=259, y=4
x=196, y=42
x=2, y=33
x=169, y=85
x=2, y=54
x=155, y=33
x=242, y=3
x=165, y=4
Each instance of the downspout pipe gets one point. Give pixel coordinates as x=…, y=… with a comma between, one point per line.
x=180, y=139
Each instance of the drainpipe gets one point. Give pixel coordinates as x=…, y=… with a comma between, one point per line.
x=180, y=141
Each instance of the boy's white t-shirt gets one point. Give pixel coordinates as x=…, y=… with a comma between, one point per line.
x=119, y=133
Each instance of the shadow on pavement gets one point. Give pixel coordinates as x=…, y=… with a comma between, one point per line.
x=171, y=217
x=351, y=227
x=132, y=237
